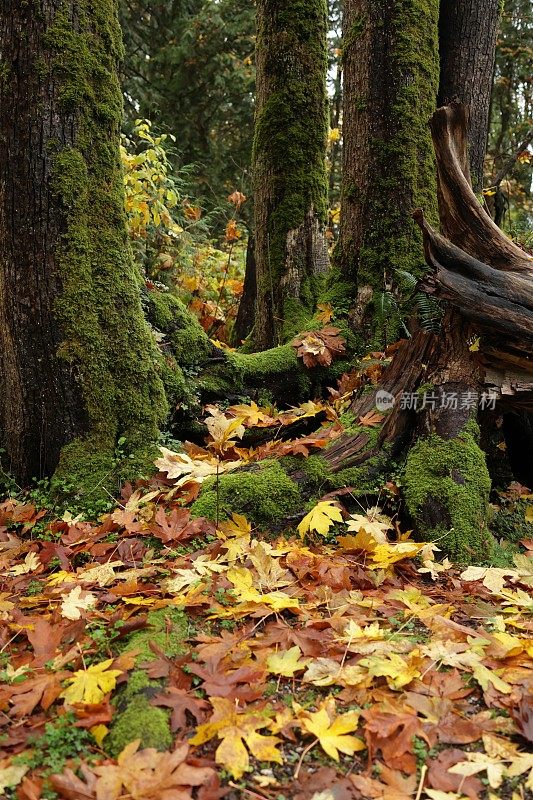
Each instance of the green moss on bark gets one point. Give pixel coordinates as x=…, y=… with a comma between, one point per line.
x=404, y=164
x=289, y=155
x=105, y=337
x=190, y=343
x=390, y=168
x=447, y=485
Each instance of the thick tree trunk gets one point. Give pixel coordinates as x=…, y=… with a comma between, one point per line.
x=390, y=55
x=290, y=198
x=78, y=363
x=40, y=400
x=467, y=38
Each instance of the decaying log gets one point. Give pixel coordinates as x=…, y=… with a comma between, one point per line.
x=462, y=218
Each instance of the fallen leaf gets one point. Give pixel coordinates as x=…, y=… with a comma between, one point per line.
x=320, y=518
x=92, y=684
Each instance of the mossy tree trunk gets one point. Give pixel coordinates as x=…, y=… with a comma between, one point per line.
x=78, y=363
x=290, y=193
x=391, y=68
x=467, y=38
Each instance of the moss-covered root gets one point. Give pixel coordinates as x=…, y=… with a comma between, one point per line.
x=136, y=718
x=447, y=485
x=271, y=493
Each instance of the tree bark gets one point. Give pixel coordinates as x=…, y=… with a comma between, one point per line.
x=244, y=322
x=467, y=38
x=290, y=199
x=78, y=364
x=40, y=401
x=390, y=55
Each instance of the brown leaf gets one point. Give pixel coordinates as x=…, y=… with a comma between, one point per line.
x=439, y=778
x=42, y=689
x=245, y=683
x=523, y=717
x=181, y=702
x=372, y=419
x=319, y=347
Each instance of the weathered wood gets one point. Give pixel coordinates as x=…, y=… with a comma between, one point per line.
x=463, y=219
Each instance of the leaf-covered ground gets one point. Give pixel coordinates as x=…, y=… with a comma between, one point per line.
x=338, y=661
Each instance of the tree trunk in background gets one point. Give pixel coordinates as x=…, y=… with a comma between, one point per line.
x=467, y=32
x=244, y=321
x=290, y=198
x=78, y=363
x=390, y=86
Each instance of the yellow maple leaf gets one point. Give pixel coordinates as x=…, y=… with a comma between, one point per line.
x=238, y=732
x=11, y=775
x=243, y=580
x=235, y=527
x=529, y=514
x=92, y=684
x=99, y=732
x=372, y=522
x=387, y=554
x=333, y=731
x=320, y=518
x=391, y=666
x=286, y=663
x=61, y=577
x=223, y=431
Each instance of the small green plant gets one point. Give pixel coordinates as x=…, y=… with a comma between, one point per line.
x=60, y=742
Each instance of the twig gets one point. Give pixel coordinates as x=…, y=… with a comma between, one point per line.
x=248, y=791
x=304, y=753
x=421, y=781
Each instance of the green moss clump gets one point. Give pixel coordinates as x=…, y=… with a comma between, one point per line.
x=105, y=338
x=447, y=485
x=137, y=719
x=368, y=477
x=264, y=493
x=167, y=627
x=277, y=370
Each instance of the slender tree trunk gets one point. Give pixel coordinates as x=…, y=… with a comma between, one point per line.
x=78, y=363
x=390, y=88
x=467, y=34
x=244, y=322
x=289, y=164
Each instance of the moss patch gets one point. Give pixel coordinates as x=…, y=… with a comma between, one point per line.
x=137, y=719
x=265, y=494
x=167, y=627
x=447, y=487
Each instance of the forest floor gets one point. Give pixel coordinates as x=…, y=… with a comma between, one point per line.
x=336, y=659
